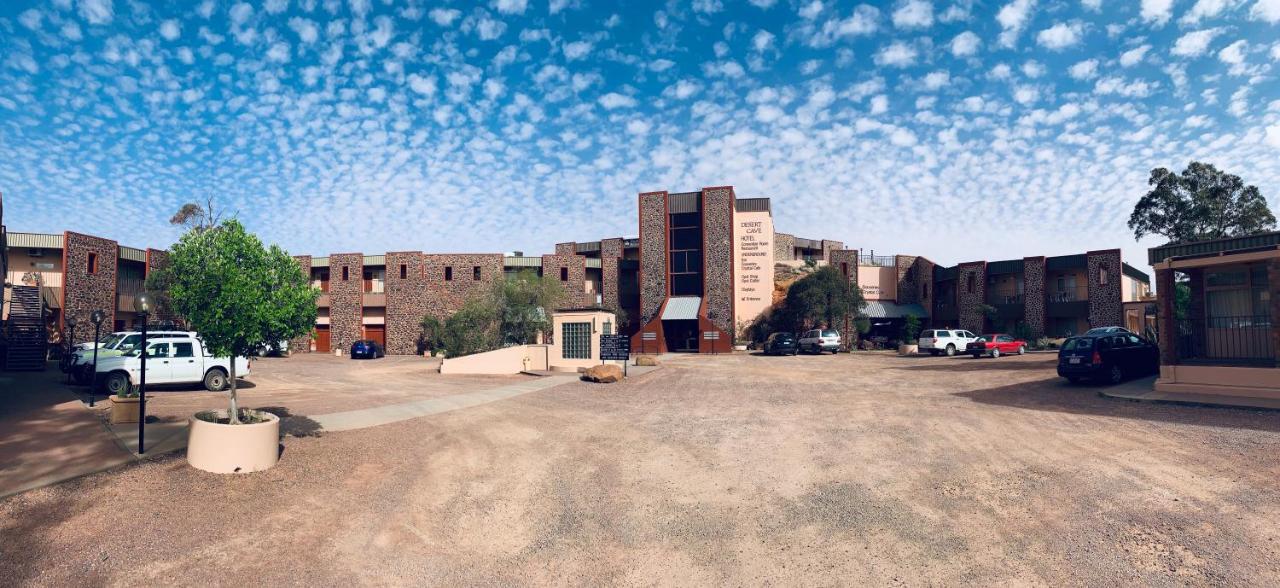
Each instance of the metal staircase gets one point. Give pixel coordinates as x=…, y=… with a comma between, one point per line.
x=24, y=332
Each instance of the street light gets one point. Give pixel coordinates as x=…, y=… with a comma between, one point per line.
x=96, y=318
x=142, y=305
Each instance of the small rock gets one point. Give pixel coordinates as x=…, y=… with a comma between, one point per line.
x=646, y=360
x=603, y=374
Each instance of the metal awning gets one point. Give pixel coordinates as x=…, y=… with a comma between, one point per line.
x=885, y=309
x=682, y=308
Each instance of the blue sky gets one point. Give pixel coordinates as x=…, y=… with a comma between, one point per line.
x=955, y=130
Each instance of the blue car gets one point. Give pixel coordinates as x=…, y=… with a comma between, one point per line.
x=367, y=349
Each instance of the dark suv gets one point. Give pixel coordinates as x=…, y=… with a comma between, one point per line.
x=782, y=344
x=1107, y=357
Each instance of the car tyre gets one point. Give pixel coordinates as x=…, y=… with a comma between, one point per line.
x=117, y=383
x=995, y=352
x=215, y=380
x=1115, y=375
x=951, y=349
x=1022, y=350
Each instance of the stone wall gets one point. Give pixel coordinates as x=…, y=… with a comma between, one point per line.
x=407, y=301
x=829, y=246
x=302, y=343
x=784, y=247
x=445, y=297
x=1105, y=303
x=969, y=302
x=346, y=301
x=1033, y=278
x=845, y=261
x=574, y=278
x=653, y=254
x=611, y=250
x=569, y=248
x=85, y=292
x=717, y=255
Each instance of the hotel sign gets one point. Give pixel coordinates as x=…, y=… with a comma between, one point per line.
x=753, y=271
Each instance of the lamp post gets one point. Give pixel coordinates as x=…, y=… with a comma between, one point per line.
x=96, y=318
x=71, y=343
x=142, y=305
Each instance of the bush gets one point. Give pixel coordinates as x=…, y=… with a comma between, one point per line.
x=910, y=329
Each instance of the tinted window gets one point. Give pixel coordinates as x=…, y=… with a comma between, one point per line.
x=1005, y=339
x=830, y=334
x=183, y=350
x=1078, y=345
x=130, y=342
x=158, y=350
x=1134, y=340
x=926, y=333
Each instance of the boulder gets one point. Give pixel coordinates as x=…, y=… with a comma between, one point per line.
x=646, y=360
x=604, y=374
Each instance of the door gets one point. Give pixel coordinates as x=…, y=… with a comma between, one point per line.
x=377, y=333
x=322, y=338
x=159, y=363
x=186, y=366
x=1006, y=344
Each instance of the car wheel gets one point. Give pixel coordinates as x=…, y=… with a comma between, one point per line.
x=118, y=383
x=995, y=352
x=82, y=375
x=215, y=380
x=1115, y=375
x=1022, y=350
x=795, y=352
x=951, y=349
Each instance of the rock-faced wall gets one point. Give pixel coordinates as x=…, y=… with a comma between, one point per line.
x=89, y=282
x=784, y=247
x=571, y=271
x=717, y=255
x=1034, y=307
x=569, y=248
x=971, y=295
x=302, y=343
x=653, y=254
x=1106, y=307
x=451, y=279
x=346, y=300
x=829, y=246
x=611, y=250
x=407, y=301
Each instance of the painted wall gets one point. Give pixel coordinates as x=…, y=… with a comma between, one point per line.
x=506, y=361
x=597, y=319
x=754, y=255
x=1128, y=286
x=878, y=283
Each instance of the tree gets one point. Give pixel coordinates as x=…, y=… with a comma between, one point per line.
x=431, y=337
x=196, y=217
x=824, y=296
x=910, y=328
x=514, y=312
x=238, y=294
x=1199, y=204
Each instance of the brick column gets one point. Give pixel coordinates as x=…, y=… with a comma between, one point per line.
x=970, y=302
x=1033, y=308
x=406, y=301
x=611, y=251
x=346, y=300
x=1166, y=294
x=85, y=291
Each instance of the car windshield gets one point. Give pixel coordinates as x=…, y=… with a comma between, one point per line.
x=783, y=336
x=830, y=334
x=989, y=337
x=110, y=341
x=1078, y=345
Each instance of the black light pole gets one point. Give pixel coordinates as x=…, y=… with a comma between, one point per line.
x=96, y=318
x=71, y=342
x=142, y=304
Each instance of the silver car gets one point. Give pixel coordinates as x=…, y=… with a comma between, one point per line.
x=819, y=340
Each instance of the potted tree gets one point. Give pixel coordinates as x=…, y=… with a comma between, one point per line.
x=238, y=295
x=910, y=329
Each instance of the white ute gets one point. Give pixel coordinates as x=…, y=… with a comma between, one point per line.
x=170, y=360
x=945, y=341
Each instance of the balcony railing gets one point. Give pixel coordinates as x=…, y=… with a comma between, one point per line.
x=1228, y=339
x=998, y=298
x=49, y=279
x=1068, y=295
x=877, y=260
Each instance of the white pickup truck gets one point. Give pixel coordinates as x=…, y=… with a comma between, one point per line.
x=945, y=341
x=170, y=360
x=81, y=365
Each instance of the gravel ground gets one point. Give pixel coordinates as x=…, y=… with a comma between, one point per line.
x=736, y=470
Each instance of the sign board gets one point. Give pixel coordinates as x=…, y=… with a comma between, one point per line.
x=648, y=336
x=615, y=347
x=711, y=335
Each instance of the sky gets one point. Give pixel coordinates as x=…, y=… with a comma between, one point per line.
x=955, y=130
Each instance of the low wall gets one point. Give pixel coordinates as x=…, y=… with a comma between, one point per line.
x=509, y=360
x=1220, y=380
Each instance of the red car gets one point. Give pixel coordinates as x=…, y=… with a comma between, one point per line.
x=995, y=345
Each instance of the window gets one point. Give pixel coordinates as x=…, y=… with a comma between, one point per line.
x=608, y=328
x=844, y=268
x=448, y=273
x=925, y=292
x=183, y=350
x=404, y=271
x=346, y=275
x=969, y=286
x=564, y=274
x=158, y=350
x=475, y=273
x=93, y=263
x=1103, y=276
x=577, y=340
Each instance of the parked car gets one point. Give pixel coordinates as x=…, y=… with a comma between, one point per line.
x=948, y=341
x=781, y=344
x=819, y=340
x=995, y=345
x=367, y=349
x=80, y=366
x=170, y=360
x=1109, y=357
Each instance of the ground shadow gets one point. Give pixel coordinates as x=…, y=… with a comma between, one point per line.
x=295, y=425
x=1058, y=395
x=966, y=363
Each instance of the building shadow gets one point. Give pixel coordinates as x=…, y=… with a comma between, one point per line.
x=294, y=425
x=1057, y=395
x=966, y=363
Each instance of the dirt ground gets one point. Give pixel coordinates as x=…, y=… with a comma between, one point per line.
x=743, y=470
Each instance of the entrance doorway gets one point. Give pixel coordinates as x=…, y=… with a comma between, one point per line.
x=681, y=335
x=376, y=333
x=322, y=338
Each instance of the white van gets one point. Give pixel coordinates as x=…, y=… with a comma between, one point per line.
x=948, y=341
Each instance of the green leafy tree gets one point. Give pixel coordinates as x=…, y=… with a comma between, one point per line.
x=237, y=293
x=514, y=312
x=824, y=296
x=431, y=337
x=910, y=328
x=473, y=329
x=1200, y=203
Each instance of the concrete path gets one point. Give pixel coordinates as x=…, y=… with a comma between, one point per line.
x=381, y=415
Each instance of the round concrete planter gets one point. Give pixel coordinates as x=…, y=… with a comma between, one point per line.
x=908, y=349
x=233, y=449
x=124, y=410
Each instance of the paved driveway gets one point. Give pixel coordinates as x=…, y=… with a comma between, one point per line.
x=742, y=470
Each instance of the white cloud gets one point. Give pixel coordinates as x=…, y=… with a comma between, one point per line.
x=170, y=29
x=1060, y=36
x=661, y=65
x=1195, y=43
x=767, y=113
x=862, y=21
x=762, y=41
x=305, y=29
x=1234, y=53
x=1093, y=5
x=638, y=127
x=1157, y=12
x=489, y=29
x=1266, y=10
x=614, y=100
x=1273, y=136
x=1275, y=52
x=896, y=54
x=97, y=11
x=1025, y=95
x=444, y=16
x=1033, y=69
x=879, y=104
x=279, y=52
x=577, y=50
x=1013, y=18
x=1134, y=56
x=913, y=14
x=1084, y=70
x=936, y=80
x=275, y=6
x=31, y=18
x=423, y=85
x=811, y=10
x=682, y=89
x=1205, y=9
x=965, y=44
x=511, y=6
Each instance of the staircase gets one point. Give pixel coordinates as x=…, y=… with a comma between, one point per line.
x=25, y=334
